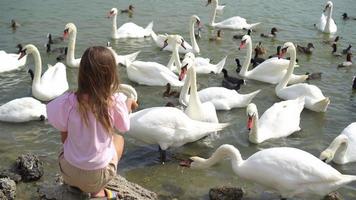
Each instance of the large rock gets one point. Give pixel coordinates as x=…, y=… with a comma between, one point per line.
x=126, y=190
x=225, y=193
x=11, y=175
x=7, y=189
x=29, y=167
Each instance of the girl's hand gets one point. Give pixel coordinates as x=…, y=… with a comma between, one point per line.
x=131, y=104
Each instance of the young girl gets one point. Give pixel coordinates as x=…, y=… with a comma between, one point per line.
x=86, y=119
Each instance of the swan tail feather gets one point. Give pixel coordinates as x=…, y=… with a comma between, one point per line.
x=251, y=26
x=322, y=105
x=220, y=65
x=130, y=58
x=253, y=94
x=149, y=28
x=154, y=36
x=348, y=178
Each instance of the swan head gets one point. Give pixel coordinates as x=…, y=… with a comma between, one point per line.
x=327, y=156
x=245, y=40
x=194, y=162
x=196, y=19
x=187, y=63
x=28, y=49
x=112, y=12
x=286, y=48
x=68, y=29
x=174, y=40
x=251, y=112
x=328, y=6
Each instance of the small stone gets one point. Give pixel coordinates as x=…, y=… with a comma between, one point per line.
x=7, y=188
x=29, y=167
x=10, y=175
x=225, y=193
x=333, y=196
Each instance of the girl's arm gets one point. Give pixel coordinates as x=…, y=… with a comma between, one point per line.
x=64, y=136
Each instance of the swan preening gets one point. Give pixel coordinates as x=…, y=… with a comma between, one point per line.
x=23, y=110
x=314, y=98
x=168, y=127
x=160, y=39
x=53, y=82
x=234, y=23
x=270, y=71
x=128, y=30
x=326, y=23
x=280, y=120
x=288, y=171
x=342, y=149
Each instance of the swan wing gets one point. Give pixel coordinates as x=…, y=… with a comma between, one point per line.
x=271, y=70
x=349, y=132
x=131, y=30
x=299, y=168
x=311, y=93
x=9, y=62
x=22, y=110
x=322, y=22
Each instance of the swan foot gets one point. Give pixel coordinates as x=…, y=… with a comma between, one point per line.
x=163, y=155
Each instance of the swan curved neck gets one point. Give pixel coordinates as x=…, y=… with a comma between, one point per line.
x=183, y=96
x=193, y=41
x=328, y=19
x=247, y=60
x=71, y=46
x=38, y=67
x=129, y=91
x=174, y=60
x=114, y=26
x=338, y=146
x=283, y=83
x=254, y=133
x=194, y=109
x=213, y=14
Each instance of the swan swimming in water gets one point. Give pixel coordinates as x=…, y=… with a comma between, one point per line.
x=342, y=149
x=288, y=171
x=326, y=23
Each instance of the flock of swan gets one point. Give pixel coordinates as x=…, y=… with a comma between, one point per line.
x=302, y=173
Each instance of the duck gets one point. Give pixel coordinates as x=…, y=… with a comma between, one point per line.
x=128, y=30
x=55, y=40
x=14, y=24
x=130, y=10
x=230, y=82
x=238, y=65
x=314, y=98
x=239, y=36
x=60, y=50
x=334, y=51
x=314, y=75
x=168, y=127
x=195, y=109
x=270, y=71
x=234, y=23
x=303, y=173
x=273, y=33
x=259, y=50
x=222, y=98
x=218, y=37
x=123, y=60
x=326, y=23
x=23, y=110
x=342, y=149
x=348, y=62
x=194, y=47
x=155, y=74
x=10, y=62
x=306, y=50
x=332, y=40
x=170, y=93
x=347, y=50
x=346, y=17
x=53, y=82
x=354, y=83
x=280, y=120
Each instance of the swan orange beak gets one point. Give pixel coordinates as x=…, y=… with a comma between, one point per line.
x=249, y=122
x=65, y=34
x=183, y=71
x=110, y=14
x=242, y=44
x=22, y=54
x=186, y=163
x=282, y=53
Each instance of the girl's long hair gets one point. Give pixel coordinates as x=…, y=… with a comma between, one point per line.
x=97, y=82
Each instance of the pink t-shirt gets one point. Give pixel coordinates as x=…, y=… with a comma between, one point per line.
x=88, y=147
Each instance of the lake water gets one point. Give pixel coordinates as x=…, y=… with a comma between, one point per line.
x=140, y=164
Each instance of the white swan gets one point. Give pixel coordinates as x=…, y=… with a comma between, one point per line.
x=326, y=23
x=123, y=59
x=168, y=127
x=195, y=109
x=202, y=65
x=288, y=171
x=235, y=23
x=280, y=120
x=53, y=82
x=342, y=149
x=128, y=30
x=314, y=98
x=9, y=61
x=160, y=39
x=220, y=97
x=270, y=71
x=23, y=110
x=155, y=74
